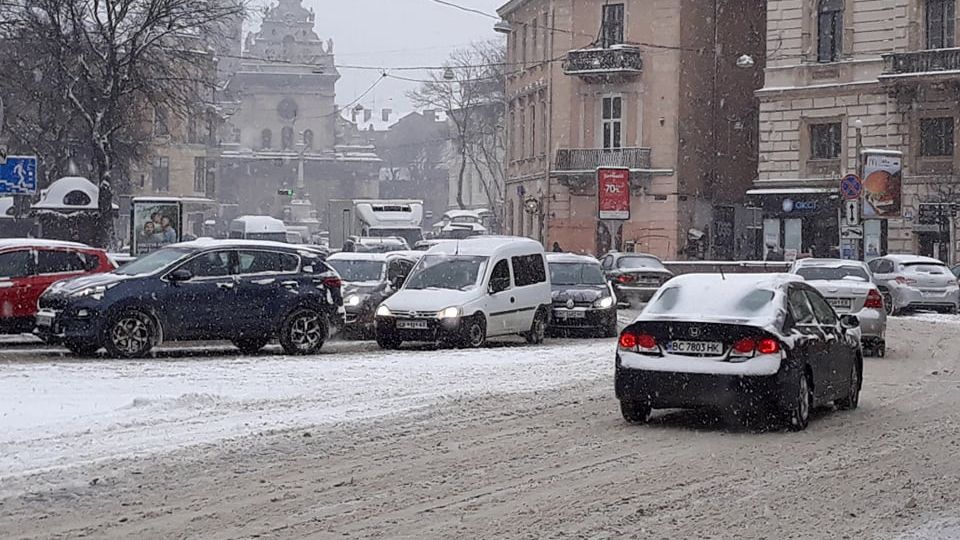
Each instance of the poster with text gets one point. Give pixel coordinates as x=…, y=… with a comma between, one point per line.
x=613, y=193
x=882, y=177
x=155, y=224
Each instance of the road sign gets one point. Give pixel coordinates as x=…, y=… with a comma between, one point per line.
x=851, y=187
x=852, y=213
x=18, y=176
x=852, y=232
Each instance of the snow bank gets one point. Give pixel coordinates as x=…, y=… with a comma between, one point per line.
x=60, y=414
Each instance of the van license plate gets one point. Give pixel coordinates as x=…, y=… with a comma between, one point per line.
x=695, y=347
x=412, y=325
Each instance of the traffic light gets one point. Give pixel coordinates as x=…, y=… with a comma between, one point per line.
x=285, y=192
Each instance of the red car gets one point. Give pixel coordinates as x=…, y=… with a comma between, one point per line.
x=28, y=267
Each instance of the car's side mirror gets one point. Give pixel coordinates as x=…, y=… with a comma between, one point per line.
x=849, y=322
x=180, y=275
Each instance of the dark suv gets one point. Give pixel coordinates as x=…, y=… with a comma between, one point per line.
x=368, y=280
x=248, y=292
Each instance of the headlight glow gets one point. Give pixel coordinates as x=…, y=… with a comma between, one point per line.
x=604, y=303
x=452, y=312
x=352, y=300
x=93, y=292
x=384, y=311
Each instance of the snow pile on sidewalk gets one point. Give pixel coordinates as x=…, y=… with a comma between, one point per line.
x=67, y=413
x=935, y=318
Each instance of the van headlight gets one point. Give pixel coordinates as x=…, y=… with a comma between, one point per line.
x=452, y=312
x=604, y=303
x=384, y=311
x=353, y=300
x=93, y=292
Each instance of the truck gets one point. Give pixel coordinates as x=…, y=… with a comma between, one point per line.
x=374, y=217
x=258, y=228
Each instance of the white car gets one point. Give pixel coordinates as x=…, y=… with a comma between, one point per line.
x=848, y=287
x=915, y=282
x=461, y=293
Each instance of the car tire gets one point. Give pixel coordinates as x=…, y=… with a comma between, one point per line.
x=881, y=350
x=303, y=332
x=797, y=413
x=887, y=302
x=251, y=345
x=538, y=328
x=852, y=401
x=635, y=412
x=474, y=332
x=131, y=334
x=389, y=343
x=81, y=349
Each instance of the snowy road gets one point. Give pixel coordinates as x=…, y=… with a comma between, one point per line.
x=505, y=442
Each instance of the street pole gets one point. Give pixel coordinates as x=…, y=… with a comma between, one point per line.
x=858, y=125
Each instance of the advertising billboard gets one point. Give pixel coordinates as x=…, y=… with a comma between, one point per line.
x=882, y=178
x=613, y=193
x=155, y=223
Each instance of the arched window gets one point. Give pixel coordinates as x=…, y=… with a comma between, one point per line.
x=308, y=138
x=829, y=30
x=286, y=138
x=266, y=139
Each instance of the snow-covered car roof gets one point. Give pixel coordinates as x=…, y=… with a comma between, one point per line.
x=70, y=193
x=255, y=224
x=38, y=242
x=828, y=263
x=752, y=299
x=571, y=258
x=486, y=245
x=906, y=258
x=205, y=243
x=374, y=256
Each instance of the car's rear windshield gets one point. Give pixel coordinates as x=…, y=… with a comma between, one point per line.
x=926, y=268
x=639, y=262
x=357, y=270
x=153, y=262
x=576, y=274
x=712, y=299
x=822, y=273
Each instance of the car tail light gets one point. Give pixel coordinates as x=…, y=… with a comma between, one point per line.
x=332, y=282
x=628, y=340
x=874, y=300
x=905, y=280
x=638, y=342
x=745, y=346
x=768, y=346
x=624, y=278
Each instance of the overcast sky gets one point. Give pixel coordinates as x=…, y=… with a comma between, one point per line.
x=396, y=33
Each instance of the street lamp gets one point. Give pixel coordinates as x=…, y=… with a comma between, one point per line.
x=746, y=61
x=858, y=126
x=503, y=26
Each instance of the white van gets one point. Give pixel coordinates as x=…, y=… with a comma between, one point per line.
x=258, y=228
x=461, y=293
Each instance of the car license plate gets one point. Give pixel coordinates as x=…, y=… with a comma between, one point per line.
x=45, y=319
x=839, y=303
x=695, y=347
x=412, y=325
x=565, y=314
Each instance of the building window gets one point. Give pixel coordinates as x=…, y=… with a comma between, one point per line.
x=523, y=46
x=286, y=138
x=829, y=30
x=533, y=41
x=199, y=175
x=308, y=138
x=161, y=174
x=612, y=24
x=266, y=139
x=522, y=132
x=237, y=133
x=612, y=122
x=533, y=128
x=512, y=135
x=211, y=179
x=160, y=127
x=544, y=117
x=546, y=39
x=936, y=136
x=940, y=24
x=825, y=141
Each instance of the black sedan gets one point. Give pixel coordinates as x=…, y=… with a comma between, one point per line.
x=368, y=280
x=248, y=292
x=582, y=298
x=745, y=343
x=634, y=276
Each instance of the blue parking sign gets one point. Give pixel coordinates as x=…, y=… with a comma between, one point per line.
x=18, y=176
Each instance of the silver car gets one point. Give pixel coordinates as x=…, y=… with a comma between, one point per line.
x=848, y=287
x=915, y=282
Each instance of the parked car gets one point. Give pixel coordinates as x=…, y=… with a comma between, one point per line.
x=914, y=282
x=29, y=266
x=848, y=287
x=634, y=276
x=464, y=292
x=368, y=280
x=744, y=342
x=582, y=297
x=245, y=291
x=377, y=244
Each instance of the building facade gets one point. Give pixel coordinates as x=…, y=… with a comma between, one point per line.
x=844, y=75
x=655, y=86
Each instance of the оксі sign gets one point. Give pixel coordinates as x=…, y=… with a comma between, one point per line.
x=613, y=193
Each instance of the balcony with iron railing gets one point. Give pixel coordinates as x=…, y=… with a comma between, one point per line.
x=576, y=168
x=609, y=64
x=934, y=64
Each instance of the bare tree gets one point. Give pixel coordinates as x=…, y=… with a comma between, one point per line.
x=105, y=66
x=471, y=91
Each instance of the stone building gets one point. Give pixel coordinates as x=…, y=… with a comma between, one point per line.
x=886, y=72
x=660, y=87
x=283, y=130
